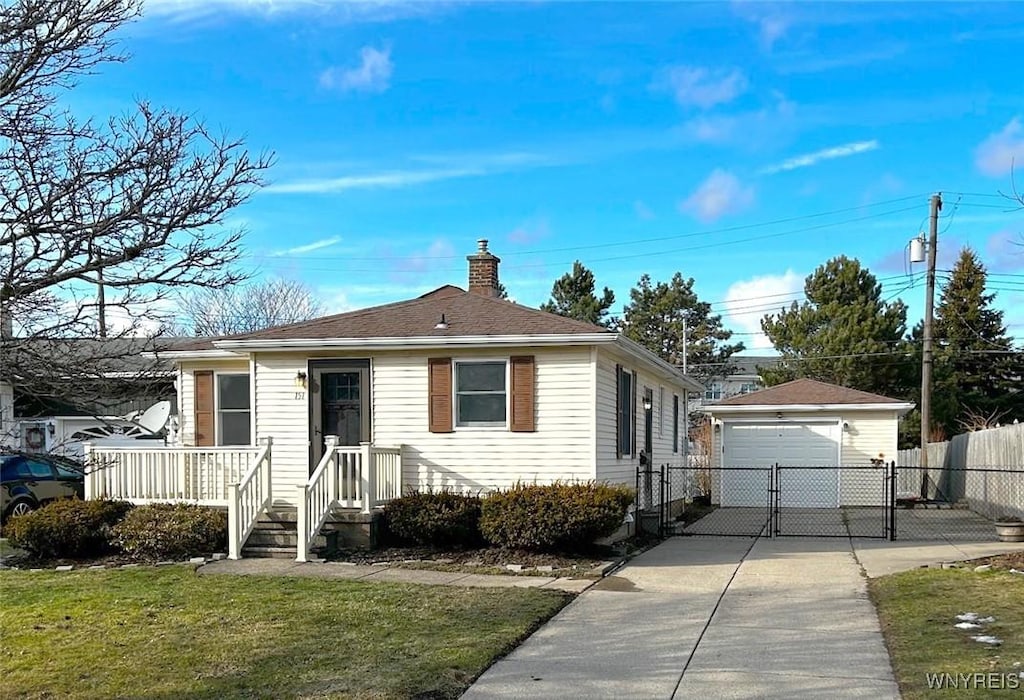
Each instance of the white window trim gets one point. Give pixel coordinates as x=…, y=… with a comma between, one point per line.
x=481, y=427
x=217, y=437
x=661, y=412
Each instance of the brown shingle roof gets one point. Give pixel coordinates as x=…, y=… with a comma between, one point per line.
x=805, y=392
x=464, y=313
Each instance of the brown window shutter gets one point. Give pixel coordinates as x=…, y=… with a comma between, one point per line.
x=439, y=377
x=203, y=390
x=618, y=411
x=523, y=394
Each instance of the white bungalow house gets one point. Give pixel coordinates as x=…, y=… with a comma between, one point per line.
x=456, y=389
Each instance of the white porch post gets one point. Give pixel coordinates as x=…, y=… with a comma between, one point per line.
x=302, y=518
x=90, y=486
x=268, y=442
x=234, y=543
x=330, y=445
x=368, y=476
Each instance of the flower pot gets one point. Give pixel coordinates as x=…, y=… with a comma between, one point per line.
x=1010, y=532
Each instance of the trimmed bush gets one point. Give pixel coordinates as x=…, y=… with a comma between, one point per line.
x=68, y=528
x=172, y=531
x=560, y=516
x=435, y=518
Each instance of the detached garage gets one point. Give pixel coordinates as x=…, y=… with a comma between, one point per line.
x=801, y=425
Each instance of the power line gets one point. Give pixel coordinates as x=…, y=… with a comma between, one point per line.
x=613, y=244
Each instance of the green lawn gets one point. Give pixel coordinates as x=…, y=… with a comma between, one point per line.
x=170, y=633
x=918, y=610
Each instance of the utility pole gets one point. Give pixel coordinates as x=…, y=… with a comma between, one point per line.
x=684, y=346
x=926, y=346
x=101, y=300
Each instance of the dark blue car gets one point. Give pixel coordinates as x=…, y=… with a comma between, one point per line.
x=30, y=481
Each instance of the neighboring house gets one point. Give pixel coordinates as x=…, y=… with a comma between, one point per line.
x=454, y=389
x=803, y=423
x=120, y=377
x=743, y=378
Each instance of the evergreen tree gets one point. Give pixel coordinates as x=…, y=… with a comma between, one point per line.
x=655, y=317
x=573, y=296
x=844, y=333
x=975, y=370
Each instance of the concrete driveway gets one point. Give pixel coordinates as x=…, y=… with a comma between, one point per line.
x=702, y=617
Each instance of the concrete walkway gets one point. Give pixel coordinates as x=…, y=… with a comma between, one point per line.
x=287, y=567
x=710, y=618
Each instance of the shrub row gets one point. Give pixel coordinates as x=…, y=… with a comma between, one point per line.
x=75, y=529
x=560, y=516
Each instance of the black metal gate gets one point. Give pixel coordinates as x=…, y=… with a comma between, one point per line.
x=769, y=501
x=878, y=501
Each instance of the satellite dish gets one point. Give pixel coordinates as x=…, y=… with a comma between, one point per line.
x=155, y=417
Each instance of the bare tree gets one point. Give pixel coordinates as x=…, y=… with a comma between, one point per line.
x=101, y=222
x=252, y=307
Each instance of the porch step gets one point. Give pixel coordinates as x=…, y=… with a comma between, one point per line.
x=268, y=552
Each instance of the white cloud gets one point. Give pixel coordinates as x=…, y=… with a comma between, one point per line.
x=308, y=247
x=386, y=180
x=748, y=301
x=373, y=74
x=1001, y=150
x=694, y=86
x=361, y=11
x=771, y=24
x=808, y=159
x=530, y=232
x=721, y=193
x=643, y=212
x=435, y=168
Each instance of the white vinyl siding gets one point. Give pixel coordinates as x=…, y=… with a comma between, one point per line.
x=623, y=470
x=187, y=393
x=869, y=435
x=282, y=413
x=485, y=458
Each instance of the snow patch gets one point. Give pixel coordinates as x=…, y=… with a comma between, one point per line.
x=974, y=617
x=967, y=626
x=987, y=639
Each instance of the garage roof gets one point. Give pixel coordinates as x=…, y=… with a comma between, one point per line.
x=808, y=393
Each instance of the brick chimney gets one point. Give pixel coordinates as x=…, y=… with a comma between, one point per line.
x=483, y=271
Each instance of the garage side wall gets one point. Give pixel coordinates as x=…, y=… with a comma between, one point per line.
x=868, y=435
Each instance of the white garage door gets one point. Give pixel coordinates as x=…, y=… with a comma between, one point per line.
x=787, y=444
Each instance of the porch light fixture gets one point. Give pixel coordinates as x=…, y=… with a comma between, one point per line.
x=846, y=426
x=441, y=325
x=51, y=429
x=300, y=380
x=647, y=403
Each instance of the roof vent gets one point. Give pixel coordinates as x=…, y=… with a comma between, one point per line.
x=441, y=325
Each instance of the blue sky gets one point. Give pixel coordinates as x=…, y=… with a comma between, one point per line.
x=742, y=144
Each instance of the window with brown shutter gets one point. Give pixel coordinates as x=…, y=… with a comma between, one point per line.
x=523, y=394
x=203, y=391
x=439, y=409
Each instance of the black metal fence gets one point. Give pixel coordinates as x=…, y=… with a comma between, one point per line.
x=882, y=501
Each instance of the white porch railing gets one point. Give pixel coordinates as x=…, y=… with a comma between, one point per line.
x=200, y=475
x=236, y=478
x=248, y=499
x=362, y=476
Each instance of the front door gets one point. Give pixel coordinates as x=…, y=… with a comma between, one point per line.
x=339, y=404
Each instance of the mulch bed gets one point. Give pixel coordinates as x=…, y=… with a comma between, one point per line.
x=481, y=559
x=1011, y=560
